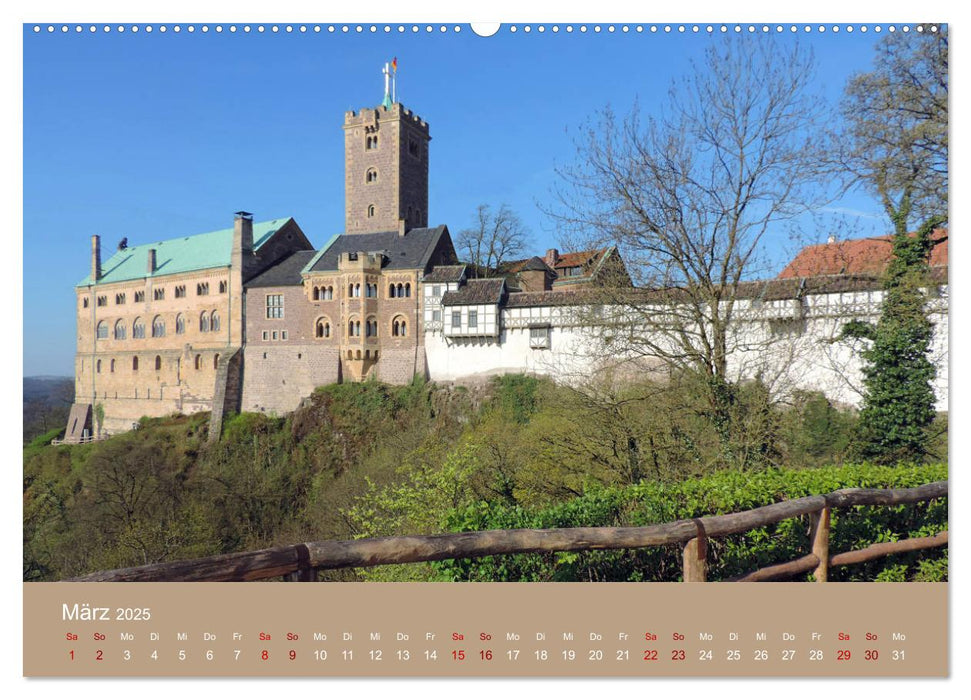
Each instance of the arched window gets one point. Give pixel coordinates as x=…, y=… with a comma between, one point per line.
x=371, y=176
x=120, y=330
x=102, y=330
x=215, y=361
x=370, y=211
x=138, y=328
x=401, y=290
x=198, y=361
x=408, y=289
x=97, y=366
x=330, y=293
x=158, y=363
x=399, y=327
x=158, y=327
x=350, y=290
x=179, y=324
x=222, y=287
x=214, y=321
x=204, y=322
x=322, y=328
x=134, y=364
x=316, y=293
x=357, y=290
x=371, y=327
x=391, y=291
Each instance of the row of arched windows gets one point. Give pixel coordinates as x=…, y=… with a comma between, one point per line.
x=198, y=363
x=400, y=290
x=208, y=322
x=398, y=327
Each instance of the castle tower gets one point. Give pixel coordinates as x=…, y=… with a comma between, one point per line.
x=385, y=169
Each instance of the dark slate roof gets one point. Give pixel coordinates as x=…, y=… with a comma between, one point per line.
x=487, y=291
x=285, y=273
x=536, y=263
x=766, y=290
x=445, y=273
x=408, y=252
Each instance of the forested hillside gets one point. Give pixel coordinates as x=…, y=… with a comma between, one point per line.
x=370, y=459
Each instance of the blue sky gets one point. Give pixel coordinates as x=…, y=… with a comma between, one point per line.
x=152, y=136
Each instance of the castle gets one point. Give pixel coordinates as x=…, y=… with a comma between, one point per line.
x=254, y=318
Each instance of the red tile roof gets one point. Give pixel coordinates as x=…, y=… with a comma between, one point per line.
x=579, y=258
x=864, y=256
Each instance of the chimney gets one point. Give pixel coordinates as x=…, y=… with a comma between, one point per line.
x=401, y=227
x=243, y=232
x=552, y=255
x=151, y=261
x=95, y=258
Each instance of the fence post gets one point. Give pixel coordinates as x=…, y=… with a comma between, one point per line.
x=695, y=556
x=820, y=538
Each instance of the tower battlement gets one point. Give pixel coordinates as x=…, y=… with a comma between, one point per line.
x=367, y=116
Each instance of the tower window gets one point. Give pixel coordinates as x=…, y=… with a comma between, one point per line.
x=102, y=330
x=84, y=302
x=119, y=299
x=371, y=211
x=158, y=363
x=134, y=363
x=371, y=142
x=371, y=176
x=222, y=287
x=180, y=291
x=202, y=289
x=158, y=294
x=139, y=297
x=413, y=148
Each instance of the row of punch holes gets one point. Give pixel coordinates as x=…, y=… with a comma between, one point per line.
x=482, y=30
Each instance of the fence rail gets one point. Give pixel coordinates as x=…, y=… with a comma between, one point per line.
x=302, y=562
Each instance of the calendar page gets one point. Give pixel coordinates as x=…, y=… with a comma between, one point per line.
x=545, y=349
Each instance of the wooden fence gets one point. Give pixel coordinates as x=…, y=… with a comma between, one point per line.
x=302, y=562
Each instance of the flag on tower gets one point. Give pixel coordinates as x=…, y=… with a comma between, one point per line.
x=394, y=64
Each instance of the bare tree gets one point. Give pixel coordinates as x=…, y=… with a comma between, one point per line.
x=496, y=238
x=895, y=116
x=689, y=196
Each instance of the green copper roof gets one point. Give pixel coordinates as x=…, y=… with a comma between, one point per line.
x=199, y=252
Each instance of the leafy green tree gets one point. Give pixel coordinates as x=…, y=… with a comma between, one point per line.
x=896, y=118
x=898, y=405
